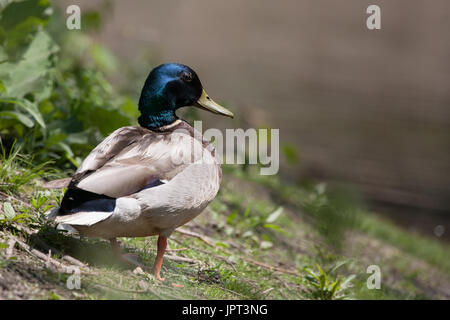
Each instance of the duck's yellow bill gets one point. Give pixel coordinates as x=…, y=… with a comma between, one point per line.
x=205, y=102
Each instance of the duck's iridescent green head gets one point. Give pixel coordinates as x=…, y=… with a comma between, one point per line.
x=169, y=87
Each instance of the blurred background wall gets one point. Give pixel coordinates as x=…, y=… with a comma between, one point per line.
x=367, y=108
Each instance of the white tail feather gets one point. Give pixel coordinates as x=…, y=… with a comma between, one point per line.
x=67, y=227
x=88, y=218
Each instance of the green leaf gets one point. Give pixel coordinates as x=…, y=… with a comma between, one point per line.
x=31, y=73
x=28, y=106
x=66, y=148
x=335, y=287
x=53, y=296
x=16, y=12
x=19, y=22
x=18, y=116
x=322, y=276
x=222, y=244
x=8, y=210
x=312, y=274
x=231, y=217
x=21, y=216
x=275, y=227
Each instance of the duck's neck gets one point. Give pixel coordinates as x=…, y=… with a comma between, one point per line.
x=158, y=119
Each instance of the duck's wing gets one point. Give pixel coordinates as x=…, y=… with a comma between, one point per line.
x=132, y=159
x=106, y=150
x=57, y=184
x=99, y=156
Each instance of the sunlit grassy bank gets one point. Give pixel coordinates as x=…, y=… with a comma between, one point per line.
x=261, y=238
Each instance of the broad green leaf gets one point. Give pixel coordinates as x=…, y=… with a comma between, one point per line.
x=8, y=210
x=17, y=40
x=31, y=73
x=16, y=12
x=18, y=116
x=19, y=22
x=274, y=227
x=28, y=106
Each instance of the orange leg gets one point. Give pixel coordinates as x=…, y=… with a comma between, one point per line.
x=162, y=244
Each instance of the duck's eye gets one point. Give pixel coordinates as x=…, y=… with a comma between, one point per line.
x=186, y=76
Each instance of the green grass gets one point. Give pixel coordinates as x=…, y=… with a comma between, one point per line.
x=17, y=170
x=272, y=240
x=336, y=212
x=324, y=285
x=415, y=244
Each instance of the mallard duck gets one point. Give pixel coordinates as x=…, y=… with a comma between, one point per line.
x=149, y=179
